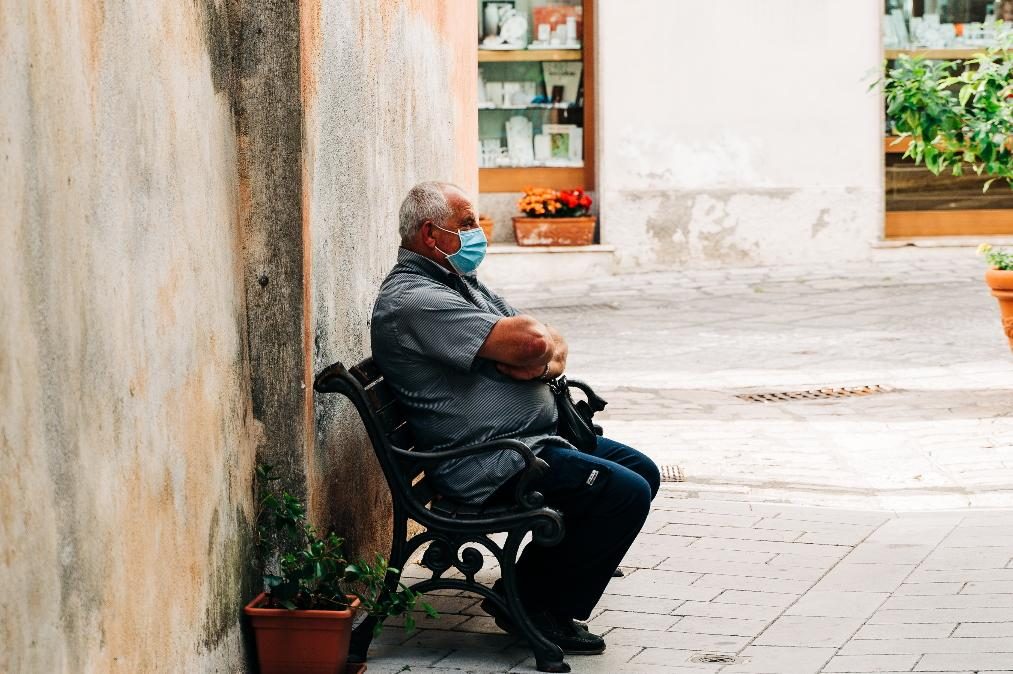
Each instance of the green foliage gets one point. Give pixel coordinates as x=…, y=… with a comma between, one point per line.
x=303, y=570
x=957, y=114
x=999, y=259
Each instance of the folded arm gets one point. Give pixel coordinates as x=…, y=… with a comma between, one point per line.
x=522, y=347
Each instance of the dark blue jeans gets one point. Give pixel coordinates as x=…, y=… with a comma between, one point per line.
x=605, y=497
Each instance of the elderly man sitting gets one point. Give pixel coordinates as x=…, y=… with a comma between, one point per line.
x=468, y=368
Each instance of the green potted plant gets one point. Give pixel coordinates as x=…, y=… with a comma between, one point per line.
x=554, y=218
x=955, y=115
x=302, y=621
x=1000, y=279
x=958, y=116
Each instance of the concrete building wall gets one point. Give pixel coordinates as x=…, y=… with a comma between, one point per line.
x=389, y=95
x=199, y=202
x=125, y=427
x=739, y=133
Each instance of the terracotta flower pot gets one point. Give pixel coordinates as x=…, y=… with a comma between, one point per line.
x=554, y=231
x=1001, y=283
x=485, y=222
x=301, y=642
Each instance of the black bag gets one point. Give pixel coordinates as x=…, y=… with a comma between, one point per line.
x=575, y=418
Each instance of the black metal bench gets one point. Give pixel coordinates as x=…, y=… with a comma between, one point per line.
x=451, y=530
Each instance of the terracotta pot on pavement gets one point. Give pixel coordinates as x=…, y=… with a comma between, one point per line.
x=301, y=642
x=554, y=231
x=1001, y=283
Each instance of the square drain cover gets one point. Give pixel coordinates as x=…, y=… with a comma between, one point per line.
x=813, y=394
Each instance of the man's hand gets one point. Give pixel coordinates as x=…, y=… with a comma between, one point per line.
x=556, y=364
x=522, y=373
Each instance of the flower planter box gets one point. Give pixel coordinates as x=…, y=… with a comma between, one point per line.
x=1001, y=283
x=554, y=231
x=302, y=642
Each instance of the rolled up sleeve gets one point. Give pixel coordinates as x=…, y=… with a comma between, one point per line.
x=438, y=323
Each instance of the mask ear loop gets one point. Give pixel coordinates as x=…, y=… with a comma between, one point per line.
x=447, y=255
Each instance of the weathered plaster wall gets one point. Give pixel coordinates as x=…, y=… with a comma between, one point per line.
x=125, y=428
x=389, y=96
x=739, y=132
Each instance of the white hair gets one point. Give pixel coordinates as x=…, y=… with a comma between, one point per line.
x=425, y=201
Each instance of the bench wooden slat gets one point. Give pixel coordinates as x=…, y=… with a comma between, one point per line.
x=380, y=396
x=390, y=417
x=422, y=491
x=366, y=372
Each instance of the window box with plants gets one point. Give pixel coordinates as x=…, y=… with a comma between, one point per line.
x=554, y=218
x=302, y=621
x=957, y=116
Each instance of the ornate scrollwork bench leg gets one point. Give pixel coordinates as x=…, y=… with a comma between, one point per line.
x=449, y=550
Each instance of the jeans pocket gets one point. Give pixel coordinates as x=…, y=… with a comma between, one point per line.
x=572, y=474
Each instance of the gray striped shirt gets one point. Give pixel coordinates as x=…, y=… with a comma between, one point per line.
x=428, y=326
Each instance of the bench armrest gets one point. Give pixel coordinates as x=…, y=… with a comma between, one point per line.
x=533, y=466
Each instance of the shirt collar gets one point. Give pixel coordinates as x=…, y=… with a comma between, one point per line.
x=423, y=264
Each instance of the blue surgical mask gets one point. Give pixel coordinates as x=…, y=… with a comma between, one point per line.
x=471, y=253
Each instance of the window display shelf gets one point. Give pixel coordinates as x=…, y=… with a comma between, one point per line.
x=530, y=106
x=510, y=179
x=514, y=55
x=944, y=54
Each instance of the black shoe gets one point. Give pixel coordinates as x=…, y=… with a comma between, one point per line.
x=571, y=636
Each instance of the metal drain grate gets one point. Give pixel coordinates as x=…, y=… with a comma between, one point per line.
x=672, y=474
x=712, y=658
x=814, y=394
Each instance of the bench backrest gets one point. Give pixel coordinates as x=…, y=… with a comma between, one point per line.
x=385, y=422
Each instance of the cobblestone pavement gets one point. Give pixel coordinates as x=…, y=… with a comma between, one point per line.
x=853, y=534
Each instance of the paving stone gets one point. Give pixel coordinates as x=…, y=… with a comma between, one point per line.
x=756, y=598
x=972, y=629
x=986, y=587
x=711, y=566
x=943, y=615
x=632, y=620
x=675, y=640
x=614, y=659
x=720, y=610
x=446, y=640
x=977, y=600
x=671, y=659
x=742, y=627
x=662, y=584
x=977, y=662
x=710, y=531
x=382, y=656
x=871, y=663
x=909, y=631
x=917, y=646
x=716, y=580
x=929, y=588
x=888, y=553
x=864, y=577
x=618, y=602
x=810, y=549
x=961, y=575
x=479, y=661
x=719, y=555
x=837, y=604
x=780, y=660
x=808, y=631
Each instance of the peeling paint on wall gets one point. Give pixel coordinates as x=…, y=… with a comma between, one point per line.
x=384, y=114
x=733, y=166
x=124, y=403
